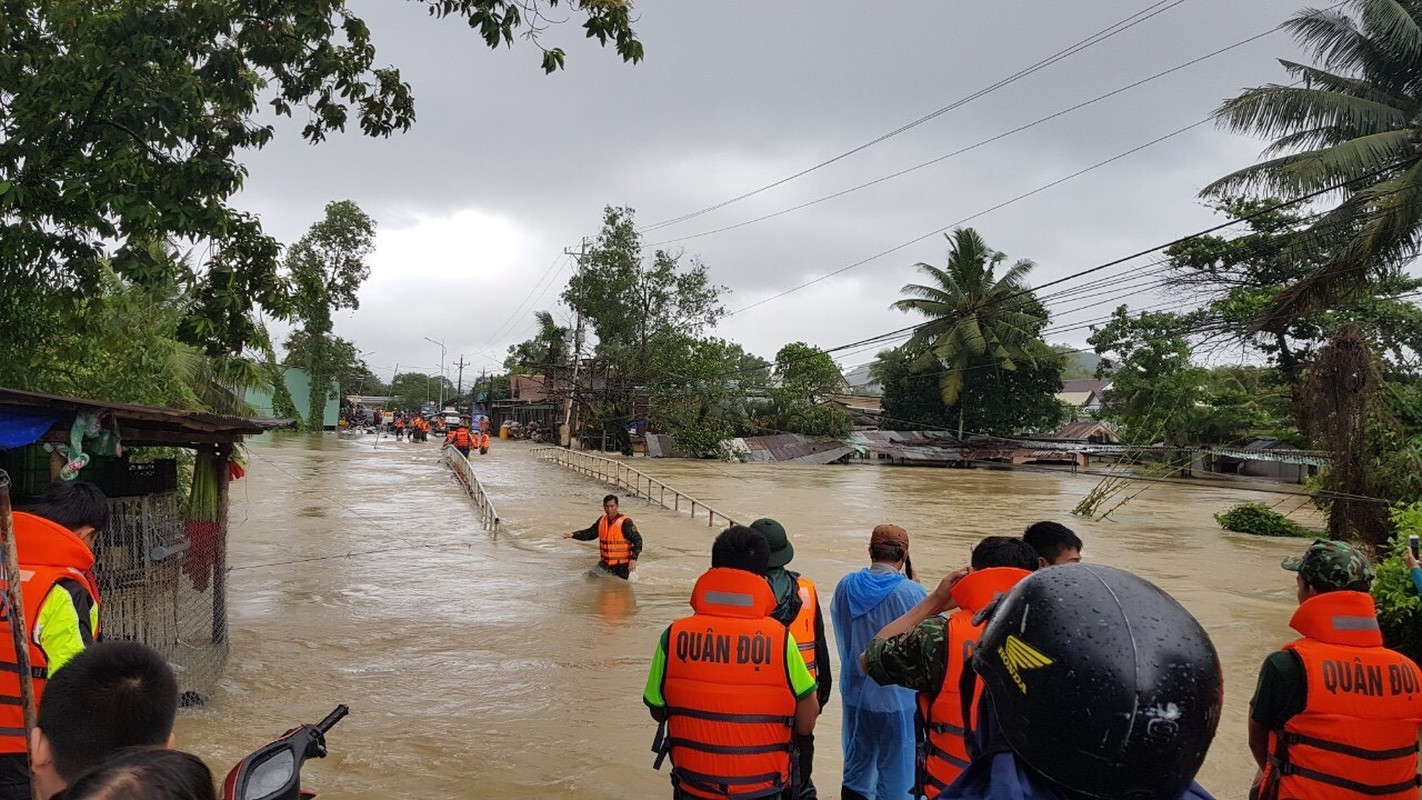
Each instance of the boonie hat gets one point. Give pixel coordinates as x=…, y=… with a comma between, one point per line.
x=780, y=550
x=1336, y=565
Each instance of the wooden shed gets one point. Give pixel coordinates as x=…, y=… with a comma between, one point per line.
x=161, y=565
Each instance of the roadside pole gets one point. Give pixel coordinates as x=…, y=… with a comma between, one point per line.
x=565, y=432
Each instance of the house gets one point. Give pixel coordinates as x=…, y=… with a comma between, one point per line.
x=1085, y=396
x=162, y=561
x=863, y=411
x=1088, y=431
x=860, y=383
x=1264, y=457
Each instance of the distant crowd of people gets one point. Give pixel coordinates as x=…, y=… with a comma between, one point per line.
x=1025, y=675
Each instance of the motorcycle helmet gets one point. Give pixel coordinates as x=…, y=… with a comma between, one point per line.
x=1101, y=682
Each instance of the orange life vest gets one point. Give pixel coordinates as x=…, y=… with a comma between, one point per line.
x=1357, y=735
x=803, y=626
x=48, y=552
x=460, y=437
x=399, y=423
x=730, y=708
x=612, y=547
x=943, y=750
x=483, y=441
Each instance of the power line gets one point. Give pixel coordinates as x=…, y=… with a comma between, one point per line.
x=974, y=146
x=1090, y=41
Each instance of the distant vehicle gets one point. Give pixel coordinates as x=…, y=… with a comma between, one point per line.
x=428, y=408
x=451, y=419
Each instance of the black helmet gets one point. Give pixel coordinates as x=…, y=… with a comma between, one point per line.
x=1101, y=682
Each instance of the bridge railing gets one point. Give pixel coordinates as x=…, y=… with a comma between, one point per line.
x=464, y=471
x=632, y=481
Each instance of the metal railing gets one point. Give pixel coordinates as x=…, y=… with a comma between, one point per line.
x=633, y=481
x=464, y=471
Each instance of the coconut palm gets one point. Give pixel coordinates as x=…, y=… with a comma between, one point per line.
x=1353, y=120
x=972, y=313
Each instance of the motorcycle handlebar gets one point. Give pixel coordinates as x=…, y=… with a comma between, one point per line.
x=332, y=718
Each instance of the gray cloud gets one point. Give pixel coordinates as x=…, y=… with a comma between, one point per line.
x=733, y=95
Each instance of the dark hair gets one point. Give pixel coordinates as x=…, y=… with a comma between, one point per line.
x=891, y=553
x=1004, y=551
x=1051, y=539
x=73, y=504
x=739, y=547
x=145, y=773
x=611, y=497
x=111, y=696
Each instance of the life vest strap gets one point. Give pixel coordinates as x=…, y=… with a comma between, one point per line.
x=729, y=749
x=946, y=727
x=721, y=785
x=6, y=700
x=1344, y=783
x=8, y=733
x=1350, y=750
x=38, y=673
x=946, y=756
x=717, y=716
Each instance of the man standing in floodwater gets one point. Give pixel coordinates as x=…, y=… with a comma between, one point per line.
x=618, y=542
x=1336, y=714
x=877, y=732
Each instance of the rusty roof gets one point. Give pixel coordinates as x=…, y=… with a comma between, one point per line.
x=141, y=425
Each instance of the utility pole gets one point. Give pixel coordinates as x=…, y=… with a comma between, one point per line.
x=460, y=388
x=441, y=372
x=565, y=435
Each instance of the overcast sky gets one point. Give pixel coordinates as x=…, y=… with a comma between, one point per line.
x=505, y=166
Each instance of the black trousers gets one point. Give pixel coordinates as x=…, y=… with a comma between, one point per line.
x=622, y=571
x=15, y=777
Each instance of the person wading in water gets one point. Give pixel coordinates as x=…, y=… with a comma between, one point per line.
x=618, y=542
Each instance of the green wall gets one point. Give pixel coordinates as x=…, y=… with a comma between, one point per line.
x=299, y=385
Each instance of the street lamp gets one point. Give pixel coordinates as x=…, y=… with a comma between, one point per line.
x=441, y=370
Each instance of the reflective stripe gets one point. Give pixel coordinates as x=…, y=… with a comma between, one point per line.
x=1343, y=623
x=730, y=599
x=8, y=732
x=1350, y=750
x=1344, y=783
x=10, y=701
x=717, y=781
x=39, y=673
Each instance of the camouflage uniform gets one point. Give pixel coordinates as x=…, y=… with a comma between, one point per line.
x=916, y=659
x=1333, y=565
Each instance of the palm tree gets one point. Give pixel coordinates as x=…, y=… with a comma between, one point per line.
x=972, y=314
x=1355, y=121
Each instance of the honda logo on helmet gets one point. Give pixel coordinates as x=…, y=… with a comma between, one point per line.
x=1018, y=656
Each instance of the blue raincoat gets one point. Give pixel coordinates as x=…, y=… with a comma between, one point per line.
x=877, y=733
x=1003, y=777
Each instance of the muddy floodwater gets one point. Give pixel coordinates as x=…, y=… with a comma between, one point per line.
x=482, y=666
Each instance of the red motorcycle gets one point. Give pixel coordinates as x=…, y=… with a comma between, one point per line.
x=274, y=771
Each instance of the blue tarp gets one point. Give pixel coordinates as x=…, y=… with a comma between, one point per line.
x=22, y=426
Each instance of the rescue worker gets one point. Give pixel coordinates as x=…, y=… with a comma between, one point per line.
x=1335, y=714
x=877, y=732
x=1055, y=543
x=797, y=606
x=483, y=443
x=618, y=542
x=400, y=427
x=926, y=652
x=728, y=685
x=460, y=439
x=55, y=542
x=1095, y=684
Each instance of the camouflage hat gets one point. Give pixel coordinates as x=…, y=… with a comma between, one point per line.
x=1337, y=565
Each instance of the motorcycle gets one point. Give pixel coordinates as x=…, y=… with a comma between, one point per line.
x=273, y=772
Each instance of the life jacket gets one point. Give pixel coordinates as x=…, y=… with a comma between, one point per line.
x=803, y=626
x=483, y=441
x=460, y=437
x=1357, y=735
x=612, y=547
x=943, y=751
x=399, y=423
x=730, y=708
x=48, y=552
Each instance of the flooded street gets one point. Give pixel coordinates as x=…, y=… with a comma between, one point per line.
x=482, y=666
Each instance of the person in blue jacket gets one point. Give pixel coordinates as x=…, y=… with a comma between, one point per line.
x=1096, y=684
x=877, y=731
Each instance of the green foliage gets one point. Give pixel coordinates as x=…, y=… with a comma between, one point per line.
x=1154, y=386
x=972, y=313
x=695, y=397
x=326, y=268
x=410, y=390
x=1348, y=123
x=1399, y=607
x=548, y=349
x=125, y=122
x=997, y=401
x=1261, y=520
x=807, y=371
